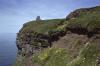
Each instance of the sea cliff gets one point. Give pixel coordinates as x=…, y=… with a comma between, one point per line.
x=71, y=41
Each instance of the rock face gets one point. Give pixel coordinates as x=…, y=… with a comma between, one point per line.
x=32, y=42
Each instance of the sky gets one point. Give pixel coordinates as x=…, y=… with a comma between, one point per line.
x=14, y=13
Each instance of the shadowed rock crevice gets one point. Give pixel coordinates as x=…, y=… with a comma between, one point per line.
x=83, y=31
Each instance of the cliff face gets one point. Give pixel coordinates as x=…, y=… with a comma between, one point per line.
x=47, y=42
x=30, y=42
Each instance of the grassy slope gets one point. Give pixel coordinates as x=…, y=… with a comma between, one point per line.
x=43, y=26
x=89, y=19
x=87, y=56
x=52, y=57
x=60, y=57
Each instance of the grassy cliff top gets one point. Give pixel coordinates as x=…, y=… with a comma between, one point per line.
x=85, y=18
x=42, y=26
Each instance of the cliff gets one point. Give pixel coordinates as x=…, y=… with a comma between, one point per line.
x=73, y=41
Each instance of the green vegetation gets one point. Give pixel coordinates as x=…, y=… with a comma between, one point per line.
x=59, y=57
x=87, y=56
x=52, y=57
x=43, y=26
x=86, y=19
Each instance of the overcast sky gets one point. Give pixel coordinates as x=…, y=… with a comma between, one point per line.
x=14, y=13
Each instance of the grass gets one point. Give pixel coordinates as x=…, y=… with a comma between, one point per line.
x=43, y=26
x=88, y=20
x=59, y=57
x=87, y=56
x=52, y=57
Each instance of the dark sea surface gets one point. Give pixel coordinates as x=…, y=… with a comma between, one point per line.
x=8, y=49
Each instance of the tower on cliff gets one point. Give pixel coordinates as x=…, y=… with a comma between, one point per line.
x=38, y=19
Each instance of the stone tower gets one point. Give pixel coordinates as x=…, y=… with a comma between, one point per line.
x=38, y=18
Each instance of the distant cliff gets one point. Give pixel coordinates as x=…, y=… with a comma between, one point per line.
x=72, y=41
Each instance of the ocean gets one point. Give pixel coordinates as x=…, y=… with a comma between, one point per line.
x=8, y=49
